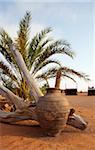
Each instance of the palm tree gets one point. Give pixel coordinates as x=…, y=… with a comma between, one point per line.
x=66, y=72
x=24, y=61
x=36, y=53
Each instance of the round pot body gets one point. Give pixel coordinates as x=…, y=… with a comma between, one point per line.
x=52, y=111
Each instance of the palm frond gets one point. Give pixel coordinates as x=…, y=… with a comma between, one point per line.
x=44, y=88
x=5, y=40
x=67, y=76
x=38, y=43
x=66, y=72
x=23, y=90
x=23, y=35
x=58, y=46
x=8, y=72
x=75, y=73
x=44, y=64
x=4, y=46
x=6, y=81
x=11, y=60
x=54, y=48
x=49, y=73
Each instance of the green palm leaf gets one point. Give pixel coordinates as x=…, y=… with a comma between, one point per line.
x=8, y=72
x=23, y=34
x=68, y=76
x=4, y=46
x=44, y=64
x=37, y=44
x=10, y=58
x=58, y=47
x=5, y=49
x=66, y=72
x=49, y=73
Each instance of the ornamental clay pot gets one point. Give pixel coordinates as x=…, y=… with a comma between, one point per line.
x=53, y=110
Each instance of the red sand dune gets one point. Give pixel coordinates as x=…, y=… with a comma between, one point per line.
x=14, y=137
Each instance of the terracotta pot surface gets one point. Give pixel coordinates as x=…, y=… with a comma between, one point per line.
x=52, y=111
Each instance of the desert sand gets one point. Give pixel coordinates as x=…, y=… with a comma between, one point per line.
x=14, y=137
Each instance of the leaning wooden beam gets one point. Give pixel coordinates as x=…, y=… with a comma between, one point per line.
x=34, y=89
x=11, y=97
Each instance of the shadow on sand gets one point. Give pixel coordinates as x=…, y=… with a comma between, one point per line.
x=29, y=131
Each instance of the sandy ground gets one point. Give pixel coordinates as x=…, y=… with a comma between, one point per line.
x=14, y=137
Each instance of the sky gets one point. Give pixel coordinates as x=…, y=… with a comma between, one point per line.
x=71, y=20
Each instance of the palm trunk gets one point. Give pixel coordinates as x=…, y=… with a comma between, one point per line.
x=58, y=79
